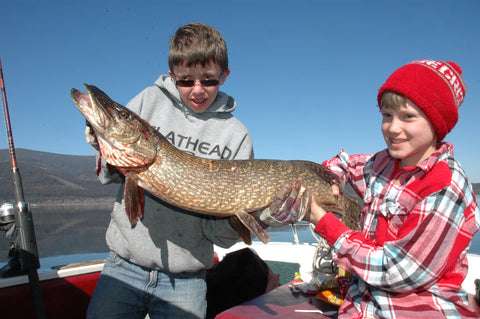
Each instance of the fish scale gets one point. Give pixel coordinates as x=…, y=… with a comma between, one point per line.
x=213, y=187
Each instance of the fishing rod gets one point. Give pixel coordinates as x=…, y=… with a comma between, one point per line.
x=25, y=237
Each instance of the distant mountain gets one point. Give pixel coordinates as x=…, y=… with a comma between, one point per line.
x=48, y=177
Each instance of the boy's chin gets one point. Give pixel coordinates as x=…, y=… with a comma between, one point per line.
x=396, y=155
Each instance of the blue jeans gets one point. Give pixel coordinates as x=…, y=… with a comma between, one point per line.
x=126, y=290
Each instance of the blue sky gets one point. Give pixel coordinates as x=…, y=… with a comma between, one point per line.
x=305, y=74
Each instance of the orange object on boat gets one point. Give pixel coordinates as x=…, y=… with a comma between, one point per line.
x=330, y=297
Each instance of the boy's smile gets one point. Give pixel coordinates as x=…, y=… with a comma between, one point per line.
x=199, y=97
x=408, y=133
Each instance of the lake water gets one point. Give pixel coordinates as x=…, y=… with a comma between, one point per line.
x=80, y=229
x=65, y=230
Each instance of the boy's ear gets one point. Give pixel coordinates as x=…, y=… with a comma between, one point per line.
x=171, y=74
x=224, y=76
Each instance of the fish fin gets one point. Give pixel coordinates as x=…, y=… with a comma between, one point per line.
x=140, y=202
x=243, y=231
x=134, y=198
x=250, y=222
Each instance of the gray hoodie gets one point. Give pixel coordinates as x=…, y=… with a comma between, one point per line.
x=169, y=238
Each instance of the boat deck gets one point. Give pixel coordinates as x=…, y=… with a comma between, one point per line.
x=76, y=282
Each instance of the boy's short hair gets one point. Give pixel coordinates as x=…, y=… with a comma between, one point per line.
x=197, y=43
x=393, y=100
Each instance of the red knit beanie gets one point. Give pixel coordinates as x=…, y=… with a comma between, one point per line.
x=436, y=87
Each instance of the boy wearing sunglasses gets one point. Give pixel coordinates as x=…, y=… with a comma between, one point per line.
x=419, y=214
x=158, y=267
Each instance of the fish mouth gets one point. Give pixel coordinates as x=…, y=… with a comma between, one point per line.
x=95, y=114
x=118, y=131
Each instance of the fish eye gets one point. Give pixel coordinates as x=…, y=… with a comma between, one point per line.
x=123, y=114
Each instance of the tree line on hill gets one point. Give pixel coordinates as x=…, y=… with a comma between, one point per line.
x=49, y=177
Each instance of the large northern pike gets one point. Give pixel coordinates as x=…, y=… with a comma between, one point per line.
x=212, y=187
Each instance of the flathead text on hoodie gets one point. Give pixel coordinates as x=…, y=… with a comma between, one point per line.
x=194, y=146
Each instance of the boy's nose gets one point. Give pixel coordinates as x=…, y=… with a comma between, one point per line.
x=197, y=86
x=395, y=125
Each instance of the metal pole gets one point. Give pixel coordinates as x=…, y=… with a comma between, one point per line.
x=28, y=254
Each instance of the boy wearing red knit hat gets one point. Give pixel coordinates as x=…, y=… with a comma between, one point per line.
x=419, y=209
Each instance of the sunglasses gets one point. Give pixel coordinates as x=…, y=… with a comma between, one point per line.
x=190, y=83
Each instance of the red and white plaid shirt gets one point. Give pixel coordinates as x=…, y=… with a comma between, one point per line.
x=416, y=225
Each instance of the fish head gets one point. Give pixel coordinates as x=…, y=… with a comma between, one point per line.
x=126, y=140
